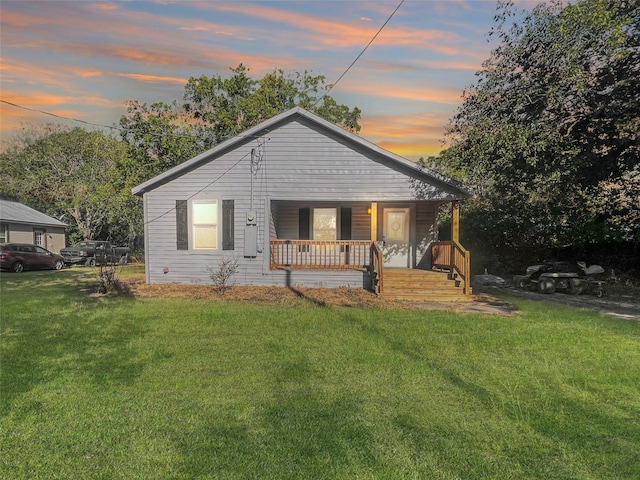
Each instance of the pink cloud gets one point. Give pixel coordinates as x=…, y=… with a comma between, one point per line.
x=108, y=7
x=133, y=37
x=448, y=96
x=34, y=99
x=156, y=49
x=411, y=136
x=153, y=78
x=14, y=118
x=88, y=73
x=337, y=34
x=14, y=71
x=44, y=101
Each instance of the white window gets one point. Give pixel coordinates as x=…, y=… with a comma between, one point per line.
x=38, y=238
x=204, y=221
x=4, y=233
x=325, y=221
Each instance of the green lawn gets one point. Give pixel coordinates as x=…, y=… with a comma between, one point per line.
x=117, y=387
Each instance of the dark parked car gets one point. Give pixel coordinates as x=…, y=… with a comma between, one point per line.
x=23, y=256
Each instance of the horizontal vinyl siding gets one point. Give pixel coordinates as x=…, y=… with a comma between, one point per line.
x=227, y=178
x=250, y=273
x=196, y=269
x=287, y=221
x=55, y=239
x=298, y=165
x=303, y=163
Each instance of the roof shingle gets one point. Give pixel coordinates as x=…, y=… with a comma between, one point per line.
x=18, y=213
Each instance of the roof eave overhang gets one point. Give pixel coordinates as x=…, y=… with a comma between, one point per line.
x=37, y=224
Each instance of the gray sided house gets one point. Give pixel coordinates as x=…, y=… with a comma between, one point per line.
x=22, y=224
x=299, y=201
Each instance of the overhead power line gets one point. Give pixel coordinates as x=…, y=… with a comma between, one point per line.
x=58, y=116
x=154, y=134
x=363, y=50
x=331, y=87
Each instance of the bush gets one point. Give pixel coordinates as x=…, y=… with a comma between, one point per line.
x=221, y=275
x=109, y=278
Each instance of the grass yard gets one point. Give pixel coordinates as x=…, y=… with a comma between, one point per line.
x=167, y=388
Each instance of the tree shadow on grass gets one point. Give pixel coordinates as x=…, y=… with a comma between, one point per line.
x=300, y=294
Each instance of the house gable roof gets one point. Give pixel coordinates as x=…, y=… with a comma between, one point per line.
x=354, y=141
x=15, y=212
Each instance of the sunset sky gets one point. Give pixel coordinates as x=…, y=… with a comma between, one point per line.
x=84, y=59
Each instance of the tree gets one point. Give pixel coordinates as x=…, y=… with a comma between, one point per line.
x=162, y=135
x=230, y=106
x=67, y=173
x=214, y=109
x=548, y=135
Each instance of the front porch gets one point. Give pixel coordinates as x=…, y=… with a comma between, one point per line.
x=448, y=280
x=380, y=240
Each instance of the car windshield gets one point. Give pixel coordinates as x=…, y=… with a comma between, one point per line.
x=87, y=244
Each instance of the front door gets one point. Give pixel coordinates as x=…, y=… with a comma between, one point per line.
x=395, y=236
x=39, y=238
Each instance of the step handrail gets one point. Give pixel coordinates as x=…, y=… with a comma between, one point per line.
x=452, y=256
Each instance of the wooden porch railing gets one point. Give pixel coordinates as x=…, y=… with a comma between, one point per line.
x=330, y=254
x=364, y=254
x=454, y=257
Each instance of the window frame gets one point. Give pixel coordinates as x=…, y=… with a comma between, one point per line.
x=40, y=237
x=193, y=225
x=335, y=229
x=4, y=232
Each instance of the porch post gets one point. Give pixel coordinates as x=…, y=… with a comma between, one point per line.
x=455, y=221
x=374, y=221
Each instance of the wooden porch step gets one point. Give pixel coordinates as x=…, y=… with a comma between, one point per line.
x=422, y=286
x=445, y=297
x=420, y=283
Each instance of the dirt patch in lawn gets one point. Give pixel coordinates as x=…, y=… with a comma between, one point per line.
x=342, y=297
x=622, y=303
x=272, y=295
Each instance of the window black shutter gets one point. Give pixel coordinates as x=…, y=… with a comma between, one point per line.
x=303, y=223
x=345, y=223
x=182, y=225
x=228, y=225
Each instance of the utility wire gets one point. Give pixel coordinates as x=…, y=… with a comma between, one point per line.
x=58, y=116
x=331, y=87
x=243, y=157
x=155, y=134
x=361, y=53
x=203, y=188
